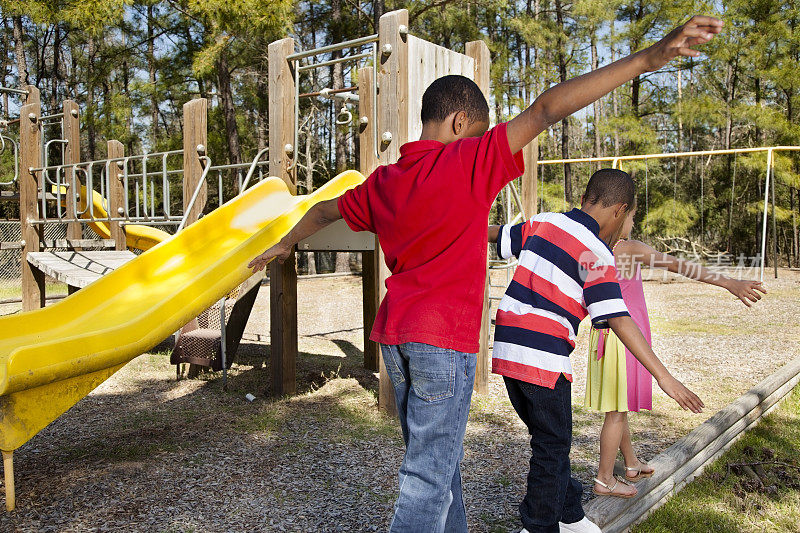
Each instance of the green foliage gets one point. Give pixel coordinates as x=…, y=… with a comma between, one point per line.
x=127, y=61
x=670, y=218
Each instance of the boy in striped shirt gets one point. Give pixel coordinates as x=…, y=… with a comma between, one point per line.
x=566, y=271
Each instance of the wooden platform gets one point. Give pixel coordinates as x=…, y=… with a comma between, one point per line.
x=79, y=269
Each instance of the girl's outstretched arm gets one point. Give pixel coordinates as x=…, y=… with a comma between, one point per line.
x=745, y=290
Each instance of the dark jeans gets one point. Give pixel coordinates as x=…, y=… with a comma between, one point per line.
x=553, y=496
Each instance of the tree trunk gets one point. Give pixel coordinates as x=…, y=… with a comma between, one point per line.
x=91, y=105
x=56, y=67
x=795, y=241
x=4, y=64
x=378, y=8
x=614, y=101
x=151, y=70
x=19, y=50
x=228, y=111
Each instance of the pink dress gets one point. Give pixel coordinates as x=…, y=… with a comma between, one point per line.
x=638, y=380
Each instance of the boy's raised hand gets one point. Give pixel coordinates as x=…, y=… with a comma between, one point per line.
x=678, y=392
x=679, y=42
x=279, y=252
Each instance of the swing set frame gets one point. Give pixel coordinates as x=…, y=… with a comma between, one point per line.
x=769, y=188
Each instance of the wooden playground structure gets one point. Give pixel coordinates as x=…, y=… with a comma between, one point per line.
x=389, y=96
x=115, y=195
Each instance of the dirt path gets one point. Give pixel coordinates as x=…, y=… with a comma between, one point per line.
x=146, y=453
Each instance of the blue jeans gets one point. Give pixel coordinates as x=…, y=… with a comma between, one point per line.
x=433, y=389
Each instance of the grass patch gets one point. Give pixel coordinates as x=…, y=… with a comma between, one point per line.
x=754, y=486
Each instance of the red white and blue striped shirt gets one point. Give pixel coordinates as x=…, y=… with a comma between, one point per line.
x=565, y=273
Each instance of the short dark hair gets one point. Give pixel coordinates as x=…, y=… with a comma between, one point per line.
x=451, y=94
x=610, y=186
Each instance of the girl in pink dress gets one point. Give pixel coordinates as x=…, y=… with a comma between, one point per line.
x=616, y=381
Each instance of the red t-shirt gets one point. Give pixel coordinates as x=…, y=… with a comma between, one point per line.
x=430, y=211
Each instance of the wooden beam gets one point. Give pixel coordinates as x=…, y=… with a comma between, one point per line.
x=479, y=52
x=116, y=195
x=393, y=83
x=195, y=133
x=282, y=277
x=30, y=153
x=72, y=154
x=683, y=461
x=393, y=118
x=371, y=268
x=529, y=194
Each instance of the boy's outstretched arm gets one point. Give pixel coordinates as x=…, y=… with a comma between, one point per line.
x=568, y=97
x=316, y=218
x=745, y=290
x=631, y=336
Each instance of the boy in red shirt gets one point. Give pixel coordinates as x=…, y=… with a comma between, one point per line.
x=430, y=212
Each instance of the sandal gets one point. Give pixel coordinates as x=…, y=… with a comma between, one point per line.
x=612, y=487
x=639, y=474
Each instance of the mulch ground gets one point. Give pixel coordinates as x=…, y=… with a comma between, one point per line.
x=144, y=452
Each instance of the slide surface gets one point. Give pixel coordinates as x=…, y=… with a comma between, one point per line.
x=52, y=357
x=136, y=236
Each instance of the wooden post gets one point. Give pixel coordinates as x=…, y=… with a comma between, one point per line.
x=72, y=154
x=116, y=194
x=30, y=148
x=393, y=120
x=528, y=193
x=371, y=267
x=393, y=84
x=8, y=470
x=195, y=133
x=479, y=52
x=282, y=277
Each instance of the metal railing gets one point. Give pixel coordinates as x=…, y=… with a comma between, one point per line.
x=15, y=145
x=141, y=184
x=356, y=44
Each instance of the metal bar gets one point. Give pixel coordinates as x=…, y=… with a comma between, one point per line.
x=238, y=165
x=222, y=343
x=330, y=48
x=14, y=91
x=165, y=200
x=517, y=199
x=327, y=91
x=48, y=117
x=252, y=168
x=774, y=224
x=196, y=192
x=764, y=225
x=667, y=155
x=124, y=221
x=15, y=145
x=330, y=62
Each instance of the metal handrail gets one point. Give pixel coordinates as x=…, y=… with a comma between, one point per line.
x=196, y=193
x=333, y=47
x=14, y=143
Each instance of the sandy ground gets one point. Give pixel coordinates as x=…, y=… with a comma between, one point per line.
x=146, y=453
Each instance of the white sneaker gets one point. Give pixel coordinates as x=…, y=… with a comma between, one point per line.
x=584, y=526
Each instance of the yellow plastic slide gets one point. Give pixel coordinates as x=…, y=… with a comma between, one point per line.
x=52, y=357
x=136, y=236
